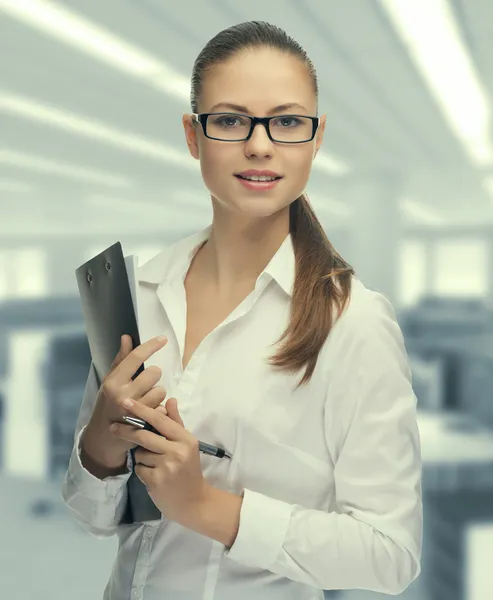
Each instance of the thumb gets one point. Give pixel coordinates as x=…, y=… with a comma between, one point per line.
x=125, y=348
x=126, y=345
x=172, y=407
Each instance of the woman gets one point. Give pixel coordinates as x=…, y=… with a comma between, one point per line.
x=323, y=491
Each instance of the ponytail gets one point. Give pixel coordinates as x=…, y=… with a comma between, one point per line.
x=322, y=281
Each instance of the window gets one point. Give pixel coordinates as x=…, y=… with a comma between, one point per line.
x=461, y=268
x=23, y=273
x=411, y=272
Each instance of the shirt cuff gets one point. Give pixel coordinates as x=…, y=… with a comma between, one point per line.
x=264, y=523
x=88, y=484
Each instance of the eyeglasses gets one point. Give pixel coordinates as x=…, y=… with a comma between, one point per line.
x=233, y=127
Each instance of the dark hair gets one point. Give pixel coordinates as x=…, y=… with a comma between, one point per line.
x=323, y=279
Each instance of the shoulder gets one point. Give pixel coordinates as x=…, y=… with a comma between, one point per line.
x=365, y=362
x=365, y=305
x=368, y=320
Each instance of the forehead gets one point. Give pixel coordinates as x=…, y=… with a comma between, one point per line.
x=259, y=79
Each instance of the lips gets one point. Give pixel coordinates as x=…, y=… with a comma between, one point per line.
x=259, y=186
x=258, y=180
x=258, y=173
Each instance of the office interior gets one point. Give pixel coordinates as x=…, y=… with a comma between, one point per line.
x=92, y=151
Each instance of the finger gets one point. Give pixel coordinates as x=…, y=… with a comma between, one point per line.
x=148, y=440
x=125, y=370
x=173, y=413
x=146, y=458
x=144, y=474
x=145, y=382
x=153, y=398
x=125, y=347
x=162, y=423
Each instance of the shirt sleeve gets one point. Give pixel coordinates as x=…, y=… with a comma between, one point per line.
x=373, y=539
x=97, y=505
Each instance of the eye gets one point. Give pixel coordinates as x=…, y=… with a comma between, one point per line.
x=229, y=121
x=285, y=122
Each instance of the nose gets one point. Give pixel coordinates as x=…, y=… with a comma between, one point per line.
x=259, y=143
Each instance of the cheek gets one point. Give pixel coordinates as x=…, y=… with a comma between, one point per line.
x=305, y=158
x=297, y=168
x=217, y=165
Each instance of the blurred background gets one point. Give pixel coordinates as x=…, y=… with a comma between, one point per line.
x=92, y=152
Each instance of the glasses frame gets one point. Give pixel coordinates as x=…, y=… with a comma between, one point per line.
x=202, y=119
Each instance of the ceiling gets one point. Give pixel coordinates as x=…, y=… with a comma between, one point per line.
x=382, y=117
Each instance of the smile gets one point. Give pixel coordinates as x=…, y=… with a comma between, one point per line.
x=258, y=183
x=257, y=177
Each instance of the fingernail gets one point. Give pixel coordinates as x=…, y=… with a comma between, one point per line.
x=161, y=338
x=128, y=403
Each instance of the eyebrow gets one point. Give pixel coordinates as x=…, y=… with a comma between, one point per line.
x=244, y=109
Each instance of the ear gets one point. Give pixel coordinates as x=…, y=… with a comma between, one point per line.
x=320, y=134
x=190, y=126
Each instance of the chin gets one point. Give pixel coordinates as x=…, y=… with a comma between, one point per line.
x=261, y=209
x=254, y=204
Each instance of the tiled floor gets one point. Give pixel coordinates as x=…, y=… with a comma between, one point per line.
x=52, y=558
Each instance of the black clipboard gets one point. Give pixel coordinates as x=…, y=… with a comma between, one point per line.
x=108, y=310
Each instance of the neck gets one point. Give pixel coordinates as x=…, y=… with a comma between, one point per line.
x=236, y=253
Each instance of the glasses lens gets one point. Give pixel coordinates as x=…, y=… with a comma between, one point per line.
x=285, y=128
x=228, y=127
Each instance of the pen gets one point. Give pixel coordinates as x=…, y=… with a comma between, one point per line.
x=203, y=447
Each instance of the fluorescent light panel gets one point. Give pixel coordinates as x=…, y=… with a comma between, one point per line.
x=330, y=207
x=69, y=27
x=62, y=169
x=26, y=108
x=420, y=213
x=325, y=206
x=434, y=42
x=330, y=164
x=488, y=185
x=131, y=205
x=14, y=186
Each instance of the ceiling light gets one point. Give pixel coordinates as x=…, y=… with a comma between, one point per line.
x=434, y=43
x=130, y=205
x=17, y=187
x=328, y=206
x=488, y=185
x=69, y=27
x=61, y=169
x=420, y=213
x=330, y=164
x=26, y=108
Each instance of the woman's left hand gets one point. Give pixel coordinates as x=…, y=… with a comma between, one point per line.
x=169, y=468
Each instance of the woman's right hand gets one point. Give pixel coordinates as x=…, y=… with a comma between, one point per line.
x=98, y=442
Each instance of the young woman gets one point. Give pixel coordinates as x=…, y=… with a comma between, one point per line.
x=275, y=352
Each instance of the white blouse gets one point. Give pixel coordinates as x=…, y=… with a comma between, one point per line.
x=331, y=472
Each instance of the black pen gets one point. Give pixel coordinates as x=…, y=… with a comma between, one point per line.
x=203, y=447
